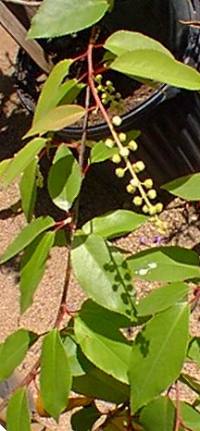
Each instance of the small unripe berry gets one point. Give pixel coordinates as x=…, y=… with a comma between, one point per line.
x=122, y=137
x=109, y=83
x=116, y=158
x=116, y=120
x=132, y=145
x=109, y=143
x=152, y=194
x=139, y=166
x=148, y=183
x=159, y=207
x=137, y=201
x=120, y=172
x=145, y=209
x=100, y=88
x=130, y=189
x=124, y=152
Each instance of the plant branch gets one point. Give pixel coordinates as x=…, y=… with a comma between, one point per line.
x=110, y=125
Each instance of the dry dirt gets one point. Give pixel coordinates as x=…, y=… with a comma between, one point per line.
x=98, y=197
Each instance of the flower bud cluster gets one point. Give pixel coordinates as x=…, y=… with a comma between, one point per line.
x=108, y=94
x=144, y=190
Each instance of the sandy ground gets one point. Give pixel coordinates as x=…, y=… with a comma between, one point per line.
x=98, y=197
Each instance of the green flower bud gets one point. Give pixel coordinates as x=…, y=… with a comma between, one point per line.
x=124, y=152
x=98, y=78
x=148, y=183
x=130, y=189
x=145, y=209
x=116, y=120
x=122, y=137
x=116, y=158
x=132, y=145
x=159, y=207
x=137, y=201
x=109, y=143
x=139, y=166
x=120, y=172
x=100, y=88
x=152, y=194
x=152, y=210
x=109, y=83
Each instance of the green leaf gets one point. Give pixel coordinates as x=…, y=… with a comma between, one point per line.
x=158, y=415
x=114, y=224
x=18, y=416
x=190, y=417
x=28, y=189
x=187, y=187
x=100, y=152
x=107, y=279
x=55, y=376
x=53, y=90
x=158, y=354
x=64, y=181
x=22, y=159
x=124, y=41
x=33, y=262
x=98, y=332
x=155, y=65
x=165, y=264
x=56, y=119
x=51, y=19
x=84, y=419
x=95, y=383
x=12, y=352
x=26, y=236
x=162, y=298
x=89, y=380
x=4, y=165
x=194, y=350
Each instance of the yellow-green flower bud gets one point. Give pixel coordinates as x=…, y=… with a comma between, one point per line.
x=159, y=207
x=98, y=78
x=134, y=182
x=100, y=87
x=152, y=210
x=139, y=166
x=109, y=143
x=148, y=183
x=145, y=209
x=120, y=172
x=116, y=120
x=122, y=137
x=124, y=152
x=109, y=83
x=132, y=145
x=137, y=201
x=116, y=158
x=130, y=189
x=152, y=194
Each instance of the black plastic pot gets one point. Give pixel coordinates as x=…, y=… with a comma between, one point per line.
x=162, y=20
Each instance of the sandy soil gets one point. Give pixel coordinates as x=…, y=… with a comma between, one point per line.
x=183, y=228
